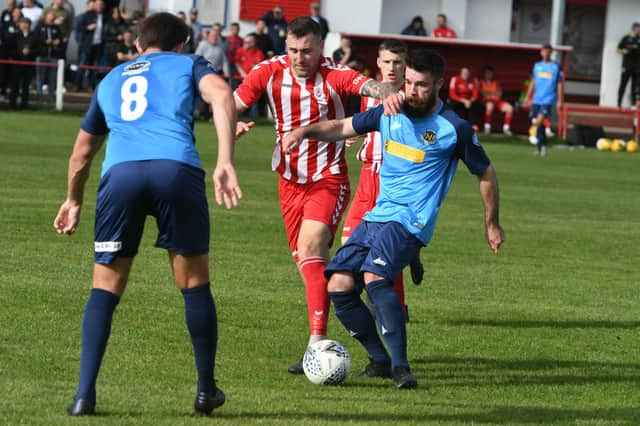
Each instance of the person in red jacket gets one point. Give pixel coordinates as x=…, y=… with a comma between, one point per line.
x=464, y=96
x=442, y=30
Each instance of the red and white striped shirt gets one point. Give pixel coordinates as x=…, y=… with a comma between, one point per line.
x=371, y=149
x=296, y=102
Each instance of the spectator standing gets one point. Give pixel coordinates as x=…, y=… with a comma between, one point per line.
x=64, y=18
x=276, y=28
x=464, y=96
x=51, y=41
x=24, y=47
x=5, y=17
x=629, y=48
x=263, y=40
x=547, y=87
x=190, y=44
x=442, y=30
x=196, y=26
x=33, y=12
x=246, y=58
x=416, y=27
x=92, y=47
x=345, y=54
x=127, y=49
x=491, y=94
x=315, y=15
x=214, y=51
x=130, y=7
x=234, y=42
x=113, y=35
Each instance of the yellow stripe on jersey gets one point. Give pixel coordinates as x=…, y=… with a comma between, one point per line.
x=403, y=151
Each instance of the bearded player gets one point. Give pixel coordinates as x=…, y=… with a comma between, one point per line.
x=423, y=145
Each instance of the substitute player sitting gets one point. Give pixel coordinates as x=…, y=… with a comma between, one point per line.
x=151, y=167
x=491, y=94
x=464, y=95
x=422, y=146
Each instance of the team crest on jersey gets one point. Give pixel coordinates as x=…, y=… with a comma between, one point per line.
x=137, y=68
x=429, y=137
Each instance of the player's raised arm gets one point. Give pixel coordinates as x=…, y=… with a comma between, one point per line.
x=216, y=92
x=84, y=149
x=491, y=199
x=323, y=130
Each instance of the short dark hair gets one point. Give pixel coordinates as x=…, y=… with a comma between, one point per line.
x=393, y=45
x=427, y=60
x=488, y=68
x=162, y=30
x=547, y=46
x=304, y=25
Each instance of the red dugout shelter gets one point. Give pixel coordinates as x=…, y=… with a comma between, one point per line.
x=513, y=62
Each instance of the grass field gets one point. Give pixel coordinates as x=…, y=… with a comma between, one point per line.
x=545, y=332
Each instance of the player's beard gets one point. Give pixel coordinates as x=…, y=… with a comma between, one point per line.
x=422, y=109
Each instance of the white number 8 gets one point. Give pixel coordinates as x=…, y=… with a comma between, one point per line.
x=129, y=97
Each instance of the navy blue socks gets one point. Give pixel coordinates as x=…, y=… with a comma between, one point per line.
x=96, y=328
x=202, y=322
x=356, y=318
x=392, y=320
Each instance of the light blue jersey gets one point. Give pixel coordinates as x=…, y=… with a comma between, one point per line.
x=153, y=98
x=546, y=77
x=419, y=160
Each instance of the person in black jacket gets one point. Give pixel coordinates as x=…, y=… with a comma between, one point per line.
x=629, y=48
x=24, y=47
x=91, y=48
x=113, y=36
x=315, y=15
x=51, y=48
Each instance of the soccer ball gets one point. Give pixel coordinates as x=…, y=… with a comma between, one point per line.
x=326, y=362
x=603, y=144
x=632, y=146
x=618, y=145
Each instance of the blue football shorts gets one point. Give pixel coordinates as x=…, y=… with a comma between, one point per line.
x=171, y=191
x=545, y=110
x=381, y=248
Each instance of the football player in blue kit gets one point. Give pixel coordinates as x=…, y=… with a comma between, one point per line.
x=547, y=87
x=422, y=146
x=152, y=167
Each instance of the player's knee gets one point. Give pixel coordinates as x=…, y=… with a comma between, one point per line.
x=341, y=281
x=370, y=277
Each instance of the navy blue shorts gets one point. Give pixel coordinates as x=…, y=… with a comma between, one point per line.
x=545, y=110
x=381, y=248
x=171, y=191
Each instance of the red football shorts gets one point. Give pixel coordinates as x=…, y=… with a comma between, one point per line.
x=364, y=198
x=323, y=201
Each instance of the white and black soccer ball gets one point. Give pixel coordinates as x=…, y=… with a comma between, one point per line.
x=326, y=362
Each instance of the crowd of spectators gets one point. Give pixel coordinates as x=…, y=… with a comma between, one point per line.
x=105, y=33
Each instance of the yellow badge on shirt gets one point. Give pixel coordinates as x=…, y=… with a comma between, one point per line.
x=403, y=151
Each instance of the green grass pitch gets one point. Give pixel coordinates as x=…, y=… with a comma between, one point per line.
x=545, y=332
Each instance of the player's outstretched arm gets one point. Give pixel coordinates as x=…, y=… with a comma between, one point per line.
x=386, y=92
x=215, y=91
x=491, y=199
x=84, y=149
x=327, y=131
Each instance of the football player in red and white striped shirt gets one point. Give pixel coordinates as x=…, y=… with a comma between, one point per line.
x=303, y=87
x=391, y=62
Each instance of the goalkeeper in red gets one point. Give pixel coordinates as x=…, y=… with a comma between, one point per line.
x=422, y=147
